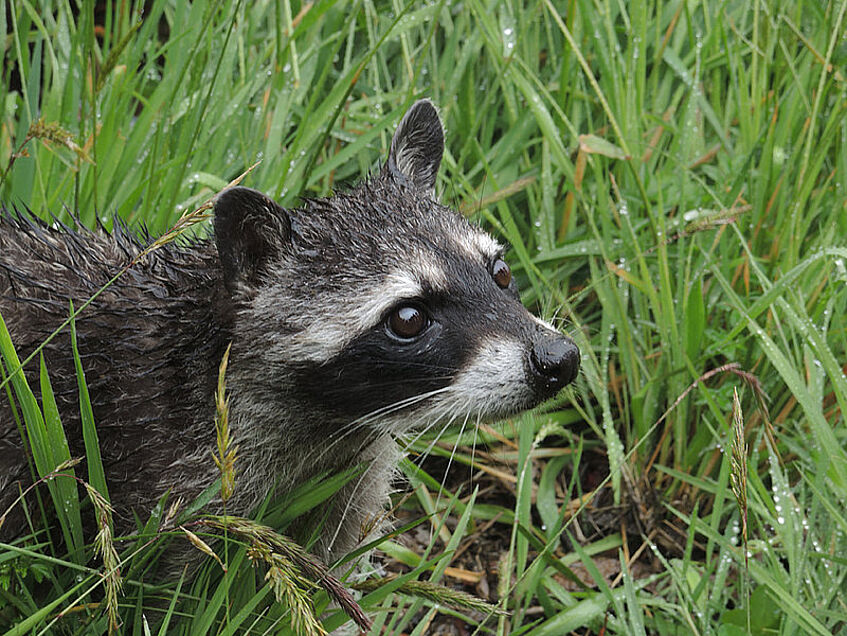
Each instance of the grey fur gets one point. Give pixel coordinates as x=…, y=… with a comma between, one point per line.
x=318, y=381
x=417, y=147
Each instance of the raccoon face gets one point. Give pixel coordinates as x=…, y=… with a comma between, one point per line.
x=379, y=305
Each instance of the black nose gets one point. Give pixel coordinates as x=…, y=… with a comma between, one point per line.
x=555, y=363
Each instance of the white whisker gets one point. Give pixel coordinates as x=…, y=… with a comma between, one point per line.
x=362, y=423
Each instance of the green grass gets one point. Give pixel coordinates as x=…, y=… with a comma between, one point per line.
x=671, y=177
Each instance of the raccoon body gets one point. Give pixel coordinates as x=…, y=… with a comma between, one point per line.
x=353, y=320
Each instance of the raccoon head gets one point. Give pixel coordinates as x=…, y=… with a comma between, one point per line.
x=379, y=305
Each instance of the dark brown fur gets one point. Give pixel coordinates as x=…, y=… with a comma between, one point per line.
x=150, y=347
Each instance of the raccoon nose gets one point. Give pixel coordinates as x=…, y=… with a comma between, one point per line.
x=555, y=363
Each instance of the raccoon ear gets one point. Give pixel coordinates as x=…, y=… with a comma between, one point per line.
x=250, y=229
x=417, y=147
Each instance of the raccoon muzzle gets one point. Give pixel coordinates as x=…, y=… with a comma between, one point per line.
x=554, y=363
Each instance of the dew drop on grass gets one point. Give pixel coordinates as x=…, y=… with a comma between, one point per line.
x=508, y=40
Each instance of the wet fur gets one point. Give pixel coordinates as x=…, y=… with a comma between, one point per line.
x=317, y=384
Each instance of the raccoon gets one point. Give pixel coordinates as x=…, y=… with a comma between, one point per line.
x=353, y=320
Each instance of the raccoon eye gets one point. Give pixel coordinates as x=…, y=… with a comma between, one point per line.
x=501, y=273
x=407, y=321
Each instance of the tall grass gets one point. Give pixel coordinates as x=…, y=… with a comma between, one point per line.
x=671, y=177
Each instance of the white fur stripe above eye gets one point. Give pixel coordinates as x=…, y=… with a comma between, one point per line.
x=325, y=338
x=372, y=306
x=487, y=245
x=478, y=245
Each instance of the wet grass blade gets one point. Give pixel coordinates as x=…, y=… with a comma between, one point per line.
x=49, y=447
x=96, y=474
x=67, y=506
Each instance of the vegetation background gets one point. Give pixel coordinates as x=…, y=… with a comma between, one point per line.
x=671, y=177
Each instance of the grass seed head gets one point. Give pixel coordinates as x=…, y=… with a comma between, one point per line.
x=738, y=468
x=227, y=451
x=289, y=564
x=105, y=547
